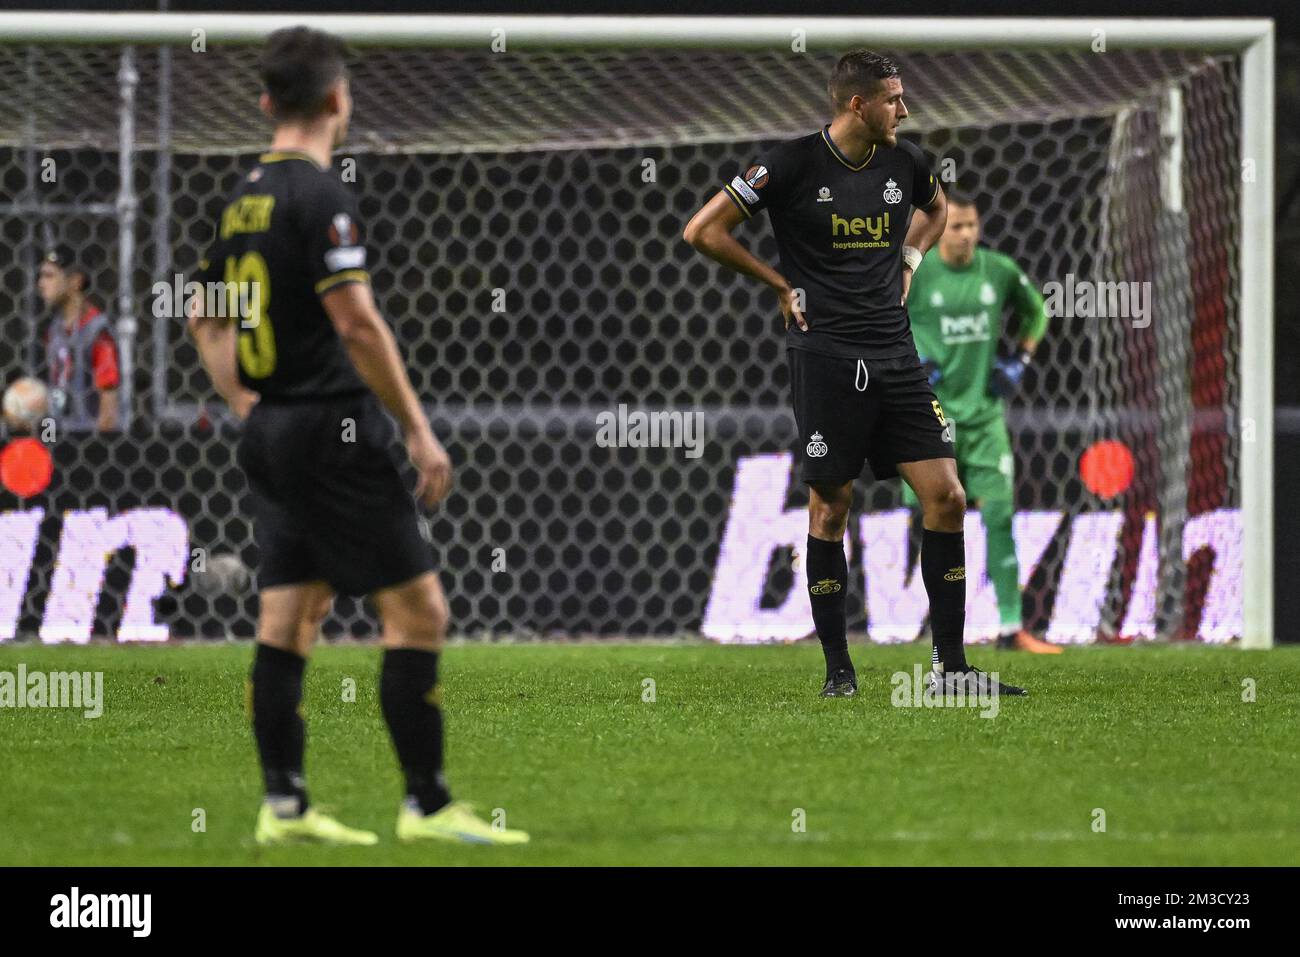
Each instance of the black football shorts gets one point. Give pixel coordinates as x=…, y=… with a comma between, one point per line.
x=327, y=496
x=850, y=411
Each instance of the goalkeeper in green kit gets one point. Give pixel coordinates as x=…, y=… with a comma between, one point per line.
x=957, y=300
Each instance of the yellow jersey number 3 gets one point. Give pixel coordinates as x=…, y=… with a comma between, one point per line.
x=248, y=274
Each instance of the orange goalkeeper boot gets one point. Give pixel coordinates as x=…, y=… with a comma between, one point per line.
x=1024, y=641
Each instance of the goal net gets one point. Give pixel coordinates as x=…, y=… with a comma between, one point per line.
x=523, y=202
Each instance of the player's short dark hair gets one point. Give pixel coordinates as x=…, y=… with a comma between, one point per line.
x=858, y=72
x=298, y=66
x=957, y=197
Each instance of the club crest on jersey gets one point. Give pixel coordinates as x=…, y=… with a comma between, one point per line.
x=817, y=448
x=893, y=194
x=824, y=195
x=987, y=295
x=756, y=176
x=342, y=230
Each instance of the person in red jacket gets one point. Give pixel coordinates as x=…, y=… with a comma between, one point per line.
x=83, y=371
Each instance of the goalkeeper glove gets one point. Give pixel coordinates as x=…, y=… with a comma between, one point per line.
x=932, y=371
x=1007, y=374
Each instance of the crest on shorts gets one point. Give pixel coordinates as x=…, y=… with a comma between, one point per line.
x=817, y=448
x=893, y=194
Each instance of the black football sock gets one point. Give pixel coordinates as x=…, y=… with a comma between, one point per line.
x=278, y=726
x=410, y=697
x=943, y=569
x=828, y=579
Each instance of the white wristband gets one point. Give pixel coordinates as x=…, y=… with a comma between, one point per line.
x=912, y=257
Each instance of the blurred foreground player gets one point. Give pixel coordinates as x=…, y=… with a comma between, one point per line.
x=956, y=303
x=840, y=201
x=303, y=367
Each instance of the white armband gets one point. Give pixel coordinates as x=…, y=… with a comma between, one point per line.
x=912, y=257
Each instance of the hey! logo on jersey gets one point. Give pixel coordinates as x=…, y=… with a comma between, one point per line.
x=957, y=330
x=875, y=228
x=817, y=448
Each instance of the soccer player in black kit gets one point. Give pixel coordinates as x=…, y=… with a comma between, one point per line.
x=305, y=359
x=840, y=202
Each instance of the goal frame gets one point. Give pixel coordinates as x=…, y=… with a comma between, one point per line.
x=1251, y=38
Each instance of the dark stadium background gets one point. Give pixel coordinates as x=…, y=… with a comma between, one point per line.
x=1287, y=247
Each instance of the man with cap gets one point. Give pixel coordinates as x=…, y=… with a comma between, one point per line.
x=81, y=356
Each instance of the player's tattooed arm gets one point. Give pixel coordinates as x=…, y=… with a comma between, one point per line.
x=710, y=232
x=926, y=228
x=373, y=351
x=214, y=337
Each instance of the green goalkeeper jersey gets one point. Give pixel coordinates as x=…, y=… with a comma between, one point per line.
x=957, y=315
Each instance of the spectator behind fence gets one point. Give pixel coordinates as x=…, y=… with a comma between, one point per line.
x=81, y=356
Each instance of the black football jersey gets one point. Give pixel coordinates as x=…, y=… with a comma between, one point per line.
x=289, y=234
x=839, y=230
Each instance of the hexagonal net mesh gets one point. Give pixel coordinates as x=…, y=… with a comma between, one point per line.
x=523, y=215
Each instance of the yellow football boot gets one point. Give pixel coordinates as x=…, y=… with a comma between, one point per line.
x=457, y=823
x=312, y=827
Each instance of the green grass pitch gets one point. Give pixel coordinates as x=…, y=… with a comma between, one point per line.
x=721, y=767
